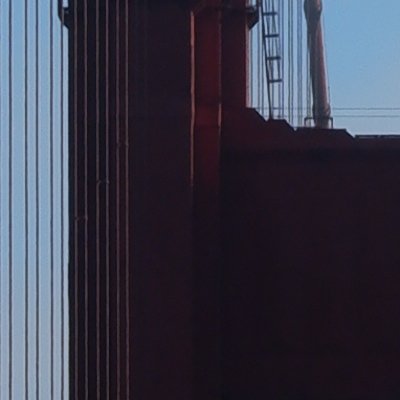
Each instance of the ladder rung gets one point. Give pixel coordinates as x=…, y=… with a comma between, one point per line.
x=278, y=80
x=272, y=35
x=273, y=58
x=270, y=13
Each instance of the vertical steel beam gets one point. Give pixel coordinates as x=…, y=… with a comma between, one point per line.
x=234, y=54
x=321, y=106
x=163, y=197
x=207, y=136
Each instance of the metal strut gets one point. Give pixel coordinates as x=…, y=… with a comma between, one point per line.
x=321, y=107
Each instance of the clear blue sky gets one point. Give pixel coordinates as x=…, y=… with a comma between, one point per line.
x=363, y=50
x=19, y=209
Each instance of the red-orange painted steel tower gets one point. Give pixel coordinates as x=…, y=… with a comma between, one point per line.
x=146, y=94
x=215, y=255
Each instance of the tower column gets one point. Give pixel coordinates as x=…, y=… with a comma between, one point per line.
x=131, y=263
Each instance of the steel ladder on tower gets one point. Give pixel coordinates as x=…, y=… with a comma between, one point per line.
x=269, y=10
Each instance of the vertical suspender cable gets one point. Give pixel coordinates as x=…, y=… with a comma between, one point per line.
x=37, y=280
x=292, y=73
x=127, y=188
x=308, y=79
x=280, y=62
x=283, y=17
x=250, y=82
x=301, y=19
x=76, y=216
x=98, y=352
x=291, y=49
x=62, y=253
x=299, y=62
x=262, y=62
x=280, y=53
x=26, y=202
x=51, y=183
x=1, y=202
x=273, y=53
x=85, y=99
x=10, y=199
x=276, y=100
x=289, y=61
x=292, y=56
x=107, y=205
x=297, y=57
x=260, y=66
x=118, y=188
x=255, y=34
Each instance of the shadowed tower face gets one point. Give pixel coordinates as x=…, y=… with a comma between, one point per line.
x=209, y=248
x=130, y=205
x=146, y=87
